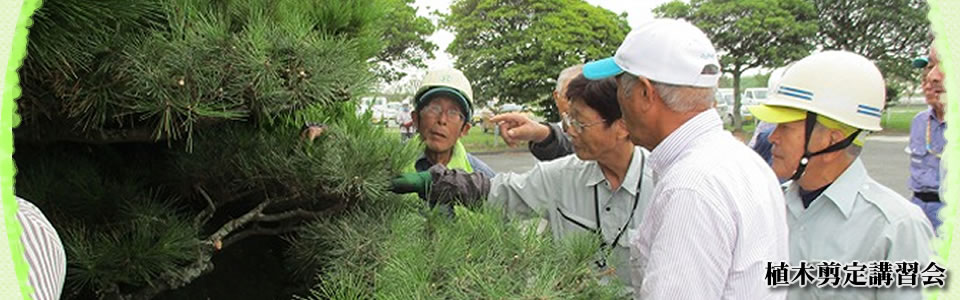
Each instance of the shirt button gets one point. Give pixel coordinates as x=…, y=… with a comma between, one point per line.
x=608, y=208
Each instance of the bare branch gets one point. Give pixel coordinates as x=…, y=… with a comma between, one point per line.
x=229, y=227
x=297, y=213
x=255, y=231
x=207, y=213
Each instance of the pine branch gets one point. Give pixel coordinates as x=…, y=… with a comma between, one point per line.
x=256, y=231
x=204, y=216
x=297, y=213
x=234, y=224
x=98, y=137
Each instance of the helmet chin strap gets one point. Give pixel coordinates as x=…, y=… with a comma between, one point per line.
x=807, y=155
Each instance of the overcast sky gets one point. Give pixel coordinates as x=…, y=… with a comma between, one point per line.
x=637, y=12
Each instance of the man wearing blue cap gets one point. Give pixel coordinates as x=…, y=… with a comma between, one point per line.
x=442, y=111
x=716, y=216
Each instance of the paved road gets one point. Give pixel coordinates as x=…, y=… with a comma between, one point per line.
x=884, y=156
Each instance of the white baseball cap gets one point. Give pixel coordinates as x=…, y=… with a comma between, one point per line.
x=663, y=50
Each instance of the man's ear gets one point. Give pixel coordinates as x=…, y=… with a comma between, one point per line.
x=644, y=90
x=639, y=100
x=465, y=129
x=563, y=105
x=621, y=129
x=836, y=136
x=416, y=117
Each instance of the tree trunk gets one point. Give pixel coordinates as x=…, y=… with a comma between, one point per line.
x=737, y=119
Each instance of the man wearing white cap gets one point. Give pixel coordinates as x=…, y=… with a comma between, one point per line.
x=836, y=212
x=716, y=217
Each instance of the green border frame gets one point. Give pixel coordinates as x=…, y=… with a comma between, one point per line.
x=945, y=19
x=13, y=49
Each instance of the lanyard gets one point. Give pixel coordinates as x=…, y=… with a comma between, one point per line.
x=606, y=249
x=929, y=147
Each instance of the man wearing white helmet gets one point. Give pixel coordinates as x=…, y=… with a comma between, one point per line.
x=716, y=215
x=836, y=212
x=442, y=111
x=759, y=142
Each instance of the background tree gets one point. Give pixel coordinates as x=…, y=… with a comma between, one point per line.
x=157, y=135
x=889, y=32
x=750, y=33
x=405, y=41
x=514, y=50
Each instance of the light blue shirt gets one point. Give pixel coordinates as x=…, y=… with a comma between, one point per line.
x=856, y=218
x=563, y=191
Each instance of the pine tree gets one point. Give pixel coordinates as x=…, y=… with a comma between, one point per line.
x=156, y=134
x=391, y=252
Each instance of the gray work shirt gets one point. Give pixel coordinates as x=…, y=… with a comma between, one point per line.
x=856, y=219
x=563, y=191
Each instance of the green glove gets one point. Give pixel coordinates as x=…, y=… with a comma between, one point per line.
x=411, y=183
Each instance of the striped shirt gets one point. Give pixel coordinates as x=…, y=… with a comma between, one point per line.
x=44, y=252
x=716, y=217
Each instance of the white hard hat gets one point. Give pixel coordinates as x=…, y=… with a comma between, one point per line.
x=448, y=81
x=775, y=77
x=839, y=85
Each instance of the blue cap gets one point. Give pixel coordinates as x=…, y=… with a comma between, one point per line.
x=601, y=69
x=920, y=62
x=425, y=98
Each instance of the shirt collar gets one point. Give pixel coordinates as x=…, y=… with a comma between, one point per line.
x=426, y=163
x=933, y=117
x=842, y=192
x=670, y=148
x=595, y=176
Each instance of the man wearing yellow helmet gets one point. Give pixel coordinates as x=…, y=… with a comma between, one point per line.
x=835, y=212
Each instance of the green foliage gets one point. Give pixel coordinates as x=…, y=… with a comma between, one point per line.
x=353, y=161
x=406, y=43
x=261, y=60
x=400, y=254
x=147, y=239
x=514, y=50
x=750, y=33
x=746, y=82
x=891, y=33
x=156, y=132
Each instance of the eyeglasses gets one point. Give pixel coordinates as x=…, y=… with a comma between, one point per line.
x=576, y=125
x=434, y=111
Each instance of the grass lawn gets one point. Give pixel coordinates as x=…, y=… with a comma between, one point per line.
x=897, y=119
x=477, y=141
